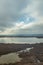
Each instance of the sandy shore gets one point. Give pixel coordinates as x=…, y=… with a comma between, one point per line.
x=32, y=57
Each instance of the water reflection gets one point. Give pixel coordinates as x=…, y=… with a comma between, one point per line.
x=12, y=57
x=9, y=58
x=21, y=40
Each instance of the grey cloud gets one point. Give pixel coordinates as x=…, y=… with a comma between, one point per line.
x=36, y=29
x=10, y=11
x=40, y=7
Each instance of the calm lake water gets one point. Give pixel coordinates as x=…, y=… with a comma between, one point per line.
x=21, y=40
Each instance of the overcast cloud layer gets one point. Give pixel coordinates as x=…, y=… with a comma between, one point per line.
x=21, y=16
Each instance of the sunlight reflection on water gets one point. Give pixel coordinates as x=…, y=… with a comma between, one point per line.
x=9, y=58
x=21, y=40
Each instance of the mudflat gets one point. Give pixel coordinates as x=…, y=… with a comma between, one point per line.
x=32, y=57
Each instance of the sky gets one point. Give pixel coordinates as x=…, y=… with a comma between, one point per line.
x=21, y=17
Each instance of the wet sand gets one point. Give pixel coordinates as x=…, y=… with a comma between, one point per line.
x=32, y=57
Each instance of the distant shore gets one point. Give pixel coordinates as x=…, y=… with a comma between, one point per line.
x=21, y=36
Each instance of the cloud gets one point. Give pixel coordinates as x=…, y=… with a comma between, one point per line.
x=19, y=16
x=10, y=12
x=31, y=28
x=22, y=28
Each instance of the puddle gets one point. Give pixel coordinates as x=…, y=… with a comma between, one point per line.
x=9, y=58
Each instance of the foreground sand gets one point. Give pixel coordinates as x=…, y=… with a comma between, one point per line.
x=32, y=57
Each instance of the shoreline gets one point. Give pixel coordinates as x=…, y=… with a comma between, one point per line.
x=10, y=48
x=33, y=57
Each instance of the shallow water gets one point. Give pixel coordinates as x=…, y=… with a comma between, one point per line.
x=26, y=50
x=12, y=57
x=9, y=58
x=21, y=40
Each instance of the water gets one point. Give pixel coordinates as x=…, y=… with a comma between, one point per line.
x=21, y=40
x=12, y=57
x=26, y=50
x=9, y=58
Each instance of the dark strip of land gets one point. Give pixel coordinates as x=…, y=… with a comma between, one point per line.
x=21, y=36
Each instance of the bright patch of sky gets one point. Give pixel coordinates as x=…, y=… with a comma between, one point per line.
x=27, y=19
